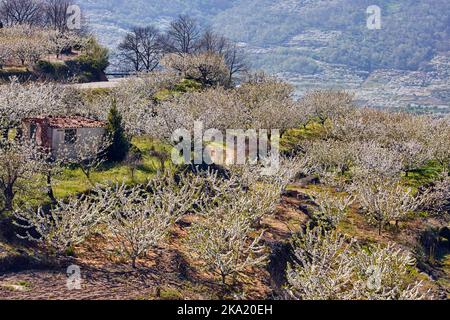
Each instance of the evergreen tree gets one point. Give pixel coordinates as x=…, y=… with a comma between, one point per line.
x=120, y=143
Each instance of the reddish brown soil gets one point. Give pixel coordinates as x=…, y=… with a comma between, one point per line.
x=170, y=273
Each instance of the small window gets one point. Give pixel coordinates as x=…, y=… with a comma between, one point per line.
x=70, y=136
x=33, y=129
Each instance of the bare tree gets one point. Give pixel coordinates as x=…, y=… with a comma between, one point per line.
x=234, y=57
x=17, y=165
x=182, y=36
x=129, y=50
x=212, y=42
x=235, y=60
x=142, y=48
x=21, y=12
x=55, y=12
x=151, y=52
x=134, y=159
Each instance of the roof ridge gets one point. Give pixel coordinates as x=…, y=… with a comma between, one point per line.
x=70, y=121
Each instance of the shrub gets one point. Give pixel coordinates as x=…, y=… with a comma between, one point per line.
x=134, y=159
x=94, y=58
x=45, y=67
x=53, y=71
x=120, y=143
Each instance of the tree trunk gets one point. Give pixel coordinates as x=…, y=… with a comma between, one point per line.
x=19, y=133
x=87, y=173
x=9, y=197
x=224, y=279
x=50, y=192
x=4, y=133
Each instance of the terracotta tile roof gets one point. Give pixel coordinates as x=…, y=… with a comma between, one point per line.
x=68, y=122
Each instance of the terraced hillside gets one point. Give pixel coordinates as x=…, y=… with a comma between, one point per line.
x=317, y=43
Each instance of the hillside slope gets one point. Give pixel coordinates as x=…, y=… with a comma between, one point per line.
x=319, y=43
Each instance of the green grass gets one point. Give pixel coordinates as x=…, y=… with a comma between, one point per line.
x=423, y=176
x=91, y=95
x=170, y=294
x=445, y=280
x=72, y=181
x=185, y=86
x=13, y=70
x=20, y=72
x=293, y=137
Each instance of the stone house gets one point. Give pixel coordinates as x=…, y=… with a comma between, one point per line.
x=63, y=134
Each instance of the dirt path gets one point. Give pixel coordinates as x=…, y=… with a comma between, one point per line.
x=98, y=85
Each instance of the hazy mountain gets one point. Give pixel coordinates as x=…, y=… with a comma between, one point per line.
x=111, y=18
x=311, y=42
